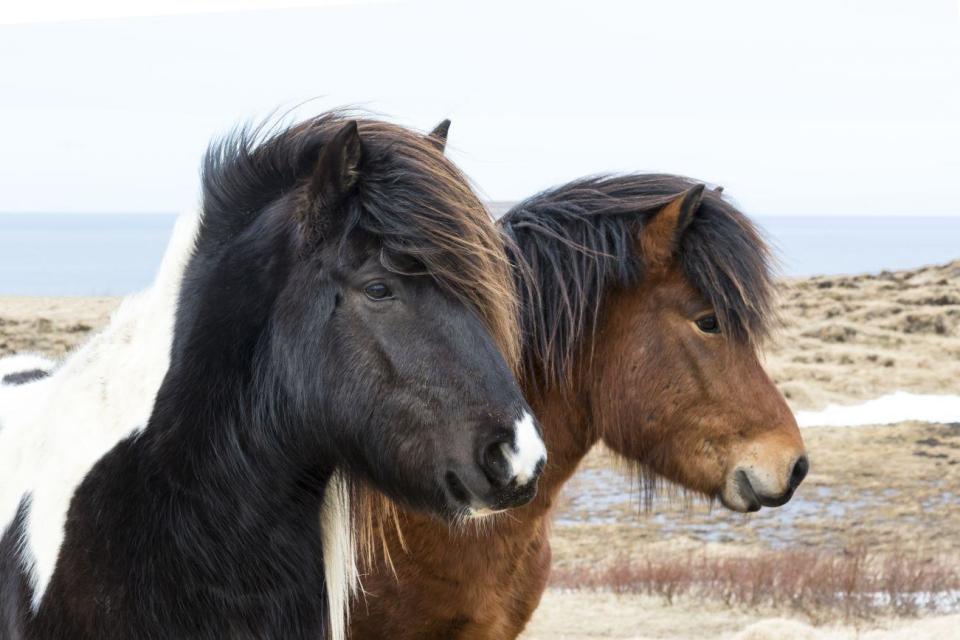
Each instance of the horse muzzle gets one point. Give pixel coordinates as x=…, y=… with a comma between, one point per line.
x=508, y=463
x=749, y=487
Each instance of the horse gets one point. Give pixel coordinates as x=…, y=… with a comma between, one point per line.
x=573, y=209
x=346, y=308
x=644, y=300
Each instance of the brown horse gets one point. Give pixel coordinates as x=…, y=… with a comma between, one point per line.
x=645, y=299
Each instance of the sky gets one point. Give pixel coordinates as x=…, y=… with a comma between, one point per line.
x=823, y=107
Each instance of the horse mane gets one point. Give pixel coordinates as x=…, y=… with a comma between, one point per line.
x=576, y=242
x=417, y=203
x=419, y=206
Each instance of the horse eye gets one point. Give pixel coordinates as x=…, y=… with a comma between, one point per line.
x=378, y=291
x=708, y=324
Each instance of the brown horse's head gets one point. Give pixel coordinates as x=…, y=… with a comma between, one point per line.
x=670, y=287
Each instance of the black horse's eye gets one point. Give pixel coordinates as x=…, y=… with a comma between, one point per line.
x=708, y=324
x=378, y=291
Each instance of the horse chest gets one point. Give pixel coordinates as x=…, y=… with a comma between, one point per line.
x=138, y=561
x=472, y=591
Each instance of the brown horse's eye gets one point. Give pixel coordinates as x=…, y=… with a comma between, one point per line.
x=378, y=291
x=708, y=324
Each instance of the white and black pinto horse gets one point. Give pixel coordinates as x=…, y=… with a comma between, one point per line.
x=299, y=347
x=110, y=383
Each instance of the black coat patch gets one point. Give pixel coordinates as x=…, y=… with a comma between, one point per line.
x=23, y=377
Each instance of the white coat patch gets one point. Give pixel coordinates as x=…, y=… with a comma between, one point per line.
x=528, y=452
x=54, y=431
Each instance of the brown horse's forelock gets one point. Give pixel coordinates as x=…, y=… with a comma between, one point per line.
x=576, y=242
x=414, y=200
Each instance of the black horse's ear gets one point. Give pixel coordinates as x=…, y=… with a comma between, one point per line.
x=337, y=169
x=661, y=233
x=438, y=137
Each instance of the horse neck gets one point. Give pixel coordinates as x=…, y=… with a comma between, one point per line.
x=220, y=415
x=564, y=415
x=237, y=497
x=235, y=438
x=218, y=426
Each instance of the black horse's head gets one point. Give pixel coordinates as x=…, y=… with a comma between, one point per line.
x=347, y=272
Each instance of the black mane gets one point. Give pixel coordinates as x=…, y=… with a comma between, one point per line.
x=578, y=240
x=419, y=206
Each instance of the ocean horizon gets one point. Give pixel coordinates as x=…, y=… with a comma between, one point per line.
x=110, y=254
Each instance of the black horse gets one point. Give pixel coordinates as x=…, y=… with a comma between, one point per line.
x=345, y=309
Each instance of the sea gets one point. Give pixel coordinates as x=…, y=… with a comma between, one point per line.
x=53, y=254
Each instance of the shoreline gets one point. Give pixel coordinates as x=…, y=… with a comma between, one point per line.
x=841, y=339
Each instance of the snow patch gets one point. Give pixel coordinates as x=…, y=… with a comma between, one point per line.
x=895, y=407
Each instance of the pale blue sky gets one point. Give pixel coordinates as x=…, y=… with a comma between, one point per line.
x=814, y=107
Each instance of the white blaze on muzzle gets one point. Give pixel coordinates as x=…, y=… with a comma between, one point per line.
x=528, y=453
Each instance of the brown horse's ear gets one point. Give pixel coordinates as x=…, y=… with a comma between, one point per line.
x=661, y=234
x=337, y=169
x=438, y=137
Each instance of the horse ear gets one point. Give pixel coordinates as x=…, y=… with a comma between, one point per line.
x=438, y=137
x=337, y=169
x=661, y=234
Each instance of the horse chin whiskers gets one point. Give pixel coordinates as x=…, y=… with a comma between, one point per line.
x=481, y=513
x=471, y=521
x=459, y=520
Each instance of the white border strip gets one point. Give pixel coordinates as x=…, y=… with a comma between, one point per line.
x=22, y=12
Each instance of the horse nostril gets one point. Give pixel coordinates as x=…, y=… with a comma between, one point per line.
x=747, y=493
x=496, y=466
x=800, y=469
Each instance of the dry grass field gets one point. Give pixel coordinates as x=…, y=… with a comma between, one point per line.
x=857, y=337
